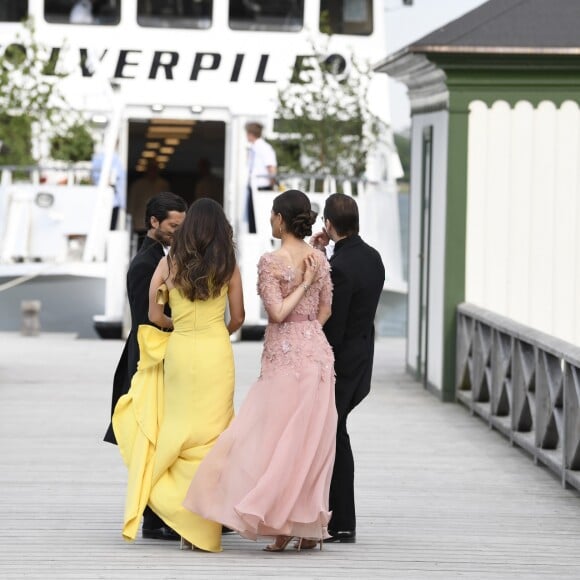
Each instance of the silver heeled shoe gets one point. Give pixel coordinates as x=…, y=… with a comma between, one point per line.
x=306, y=544
x=185, y=544
x=280, y=544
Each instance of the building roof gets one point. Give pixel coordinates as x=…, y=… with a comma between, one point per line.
x=509, y=26
x=512, y=35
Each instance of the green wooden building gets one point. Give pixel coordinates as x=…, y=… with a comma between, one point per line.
x=495, y=175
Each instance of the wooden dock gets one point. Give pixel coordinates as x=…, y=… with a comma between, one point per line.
x=438, y=494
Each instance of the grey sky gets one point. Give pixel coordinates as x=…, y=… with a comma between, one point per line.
x=404, y=24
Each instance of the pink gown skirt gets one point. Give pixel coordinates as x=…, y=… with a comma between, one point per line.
x=269, y=472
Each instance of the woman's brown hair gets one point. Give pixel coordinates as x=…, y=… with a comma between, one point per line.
x=202, y=253
x=294, y=207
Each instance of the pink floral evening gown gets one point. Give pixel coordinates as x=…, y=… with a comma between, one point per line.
x=269, y=472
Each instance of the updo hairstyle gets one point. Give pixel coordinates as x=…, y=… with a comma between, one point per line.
x=294, y=207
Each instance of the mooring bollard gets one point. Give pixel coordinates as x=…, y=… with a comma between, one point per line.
x=30, y=317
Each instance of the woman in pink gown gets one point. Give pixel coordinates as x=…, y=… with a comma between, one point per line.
x=269, y=472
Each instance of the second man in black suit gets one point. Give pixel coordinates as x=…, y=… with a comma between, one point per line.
x=358, y=276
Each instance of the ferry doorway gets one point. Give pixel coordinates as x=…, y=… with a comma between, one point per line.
x=186, y=157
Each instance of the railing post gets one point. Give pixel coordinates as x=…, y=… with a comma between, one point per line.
x=30, y=310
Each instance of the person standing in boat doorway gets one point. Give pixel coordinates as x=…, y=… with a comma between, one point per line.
x=208, y=184
x=358, y=276
x=165, y=212
x=140, y=192
x=262, y=167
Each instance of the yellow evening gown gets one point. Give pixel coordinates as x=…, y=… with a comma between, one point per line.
x=180, y=401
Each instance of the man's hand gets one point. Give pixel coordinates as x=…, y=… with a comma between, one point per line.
x=320, y=240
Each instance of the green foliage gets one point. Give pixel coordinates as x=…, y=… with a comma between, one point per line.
x=287, y=153
x=75, y=144
x=324, y=121
x=15, y=134
x=25, y=89
x=30, y=103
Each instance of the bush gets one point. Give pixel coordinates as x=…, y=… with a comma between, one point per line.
x=15, y=134
x=75, y=144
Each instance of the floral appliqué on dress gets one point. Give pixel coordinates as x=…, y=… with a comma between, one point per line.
x=287, y=344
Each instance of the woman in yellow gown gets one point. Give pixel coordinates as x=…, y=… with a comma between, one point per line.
x=181, y=398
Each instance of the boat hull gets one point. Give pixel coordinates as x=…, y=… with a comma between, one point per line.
x=68, y=303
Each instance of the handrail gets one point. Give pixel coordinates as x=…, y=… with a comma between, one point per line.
x=322, y=176
x=20, y=280
x=73, y=171
x=61, y=165
x=524, y=383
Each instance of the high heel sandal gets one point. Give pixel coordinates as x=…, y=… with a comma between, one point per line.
x=306, y=544
x=279, y=546
x=185, y=545
x=309, y=544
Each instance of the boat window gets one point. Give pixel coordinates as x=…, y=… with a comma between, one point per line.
x=13, y=10
x=95, y=12
x=175, y=13
x=346, y=16
x=283, y=15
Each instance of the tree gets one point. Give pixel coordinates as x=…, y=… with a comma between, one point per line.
x=30, y=103
x=75, y=143
x=324, y=121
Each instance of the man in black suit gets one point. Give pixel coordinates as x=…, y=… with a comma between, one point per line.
x=164, y=214
x=358, y=276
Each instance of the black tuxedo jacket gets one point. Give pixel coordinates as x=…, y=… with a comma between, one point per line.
x=138, y=281
x=358, y=276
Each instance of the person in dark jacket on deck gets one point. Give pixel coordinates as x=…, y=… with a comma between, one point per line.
x=164, y=214
x=358, y=276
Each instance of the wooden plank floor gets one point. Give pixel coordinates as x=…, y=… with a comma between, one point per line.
x=438, y=495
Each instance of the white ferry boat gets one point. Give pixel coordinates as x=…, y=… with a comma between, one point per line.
x=173, y=80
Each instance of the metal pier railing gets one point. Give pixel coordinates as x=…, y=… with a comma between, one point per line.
x=525, y=384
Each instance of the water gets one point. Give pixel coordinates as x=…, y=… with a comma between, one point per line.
x=392, y=311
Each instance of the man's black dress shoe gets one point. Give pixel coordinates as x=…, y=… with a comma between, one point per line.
x=162, y=533
x=345, y=537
